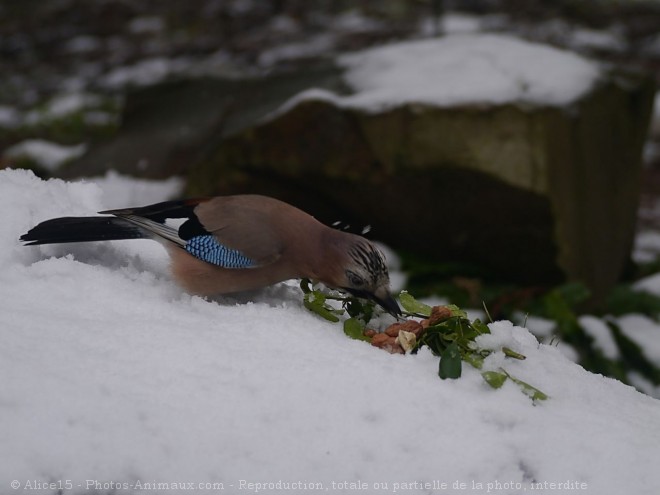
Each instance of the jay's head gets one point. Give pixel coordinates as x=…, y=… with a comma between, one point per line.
x=365, y=275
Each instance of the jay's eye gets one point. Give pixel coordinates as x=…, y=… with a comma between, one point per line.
x=354, y=279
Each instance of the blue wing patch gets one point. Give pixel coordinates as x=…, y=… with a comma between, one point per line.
x=207, y=248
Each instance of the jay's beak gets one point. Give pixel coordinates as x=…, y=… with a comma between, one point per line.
x=388, y=303
x=384, y=300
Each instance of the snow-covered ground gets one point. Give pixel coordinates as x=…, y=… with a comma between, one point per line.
x=113, y=378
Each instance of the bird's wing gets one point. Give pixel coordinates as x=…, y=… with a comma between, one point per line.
x=242, y=224
x=219, y=231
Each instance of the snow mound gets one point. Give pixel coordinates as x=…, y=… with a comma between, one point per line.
x=467, y=69
x=461, y=69
x=111, y=374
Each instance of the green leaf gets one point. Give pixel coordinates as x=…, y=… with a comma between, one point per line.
x=474, y=359
x=456, y=311
x=494, y=378
x=315, y=298
x=532, y=392
x=305, y=285
x=625, y=299
x=359, y=309
x=574, y=293
x=315, y=302
x=433, y=340
x=450, y=362
x=513, y=354
x=354, y=328
x=322, y=311
x=559, y=304
x=480, y=327
x=451, y=339
x=412, y=305
x=449, y=327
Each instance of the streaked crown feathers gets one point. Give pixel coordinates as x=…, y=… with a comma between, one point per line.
x=371, y=259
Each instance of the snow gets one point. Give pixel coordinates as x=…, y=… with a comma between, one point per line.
x=454, y=23
x=143, y=73
x=146, y=25
x=647, y=243
x=590, y=39
x=83, y=44
x=460, y=69
x=311, y=94
x=645, y=332
x=112, y=374
x=504, y=334
x=69, y=103
x=154, y=70
x=598, y=330
x=118, y=191
x=284, y=24
x=540, y=327
x=312, y=47
x=10, y=117
x=353, y=21
x=65, y=104
x=47, y=154
x=640, y=382
x=467, y=69
x=451, y=23
x=652, y=282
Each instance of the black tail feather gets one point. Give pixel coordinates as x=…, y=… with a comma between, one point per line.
x=160, y=212
x=81, y=229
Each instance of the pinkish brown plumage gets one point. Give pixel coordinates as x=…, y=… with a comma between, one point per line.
x=235, y=243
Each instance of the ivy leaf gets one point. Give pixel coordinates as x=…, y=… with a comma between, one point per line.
x=315, y=302
x=480, y=327
x=513, y=354
x=530, y=391
x=305, y=285
x=359, y=309
x=494, y=378
x=322, y=311
x=456, y=311
x=474, y=359
x=574, y=293
x=452, y=338
x=354, y=328
x=450, y=329
x=450, y=362
x=412, y=305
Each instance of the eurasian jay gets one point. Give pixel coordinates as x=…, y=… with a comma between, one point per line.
x=235, y=243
